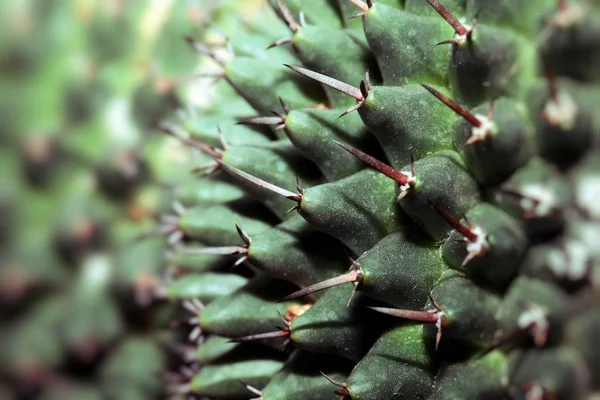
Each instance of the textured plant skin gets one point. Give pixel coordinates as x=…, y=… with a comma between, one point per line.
x=453, y=152
x=450, y=155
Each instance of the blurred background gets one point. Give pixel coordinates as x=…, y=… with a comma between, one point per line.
x=83, y=167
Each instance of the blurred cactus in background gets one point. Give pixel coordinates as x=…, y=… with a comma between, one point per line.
x=83, y=85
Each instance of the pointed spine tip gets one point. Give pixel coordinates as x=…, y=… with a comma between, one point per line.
x=341, y=87
x=374, y=163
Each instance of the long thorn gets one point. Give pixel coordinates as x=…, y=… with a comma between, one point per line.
x=457, y=108
x=350, y=277
x=261, y=336
x=455, y=223
x=419, y=316
x=262, y=121
x=458, y=27
x=218, y=251
x=332, y=83
x=374, y=163
x=263, y=184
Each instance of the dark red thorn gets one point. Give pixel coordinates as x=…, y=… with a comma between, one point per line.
x=288, y=16
x=284, y=106
x=243, y=235
x=550, y=79
x=279, y=42
x=457, y=108
x=350, y=277
x=364, y=6
x=343, y=387
x=455, y=223
x=377, y=165
x=297, y=197
x=417, y=316
x=341, y=87
x=261, y=336
x=458, y=27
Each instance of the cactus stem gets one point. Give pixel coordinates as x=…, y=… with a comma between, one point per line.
x=297, y=197
x=354, y=276
x=482, y=125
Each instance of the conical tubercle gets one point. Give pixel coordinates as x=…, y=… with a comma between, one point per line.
x=406, y=180
x=437, y=317
x=462, y=32
x=483, y=125
x=354, y=276
x=474, y=237
x=359, y=94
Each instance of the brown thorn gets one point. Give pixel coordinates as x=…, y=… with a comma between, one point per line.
x=417, y=316
x=203, y=147
x=350, y=277
x=260, y=336
x=202, y=49
x=550, y=78
x=284, y=106
x=263, y=184
x=245, y=237
x=352, y=109
x=279, y=42
x=458, y=27
x=457, y=108
x=288, y=16
x=341, y=87
x=374, y=163
x=333, y=381
x=455, y=223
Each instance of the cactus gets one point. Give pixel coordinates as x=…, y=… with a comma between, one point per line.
x=406, y=188
x=389, y=199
